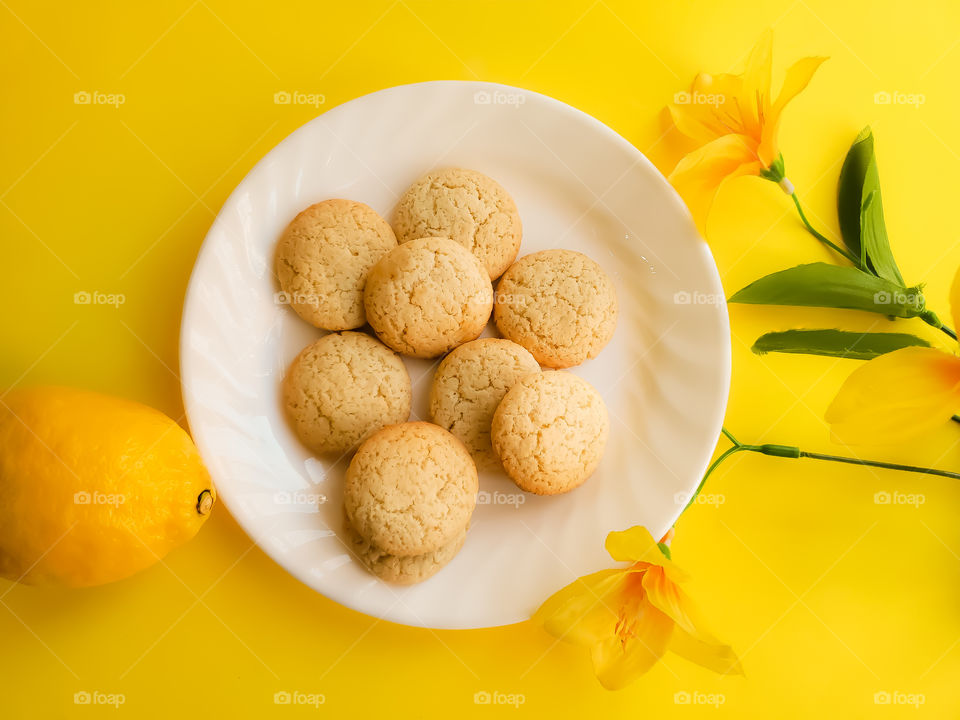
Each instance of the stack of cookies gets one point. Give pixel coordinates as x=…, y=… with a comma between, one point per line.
x=408, y=496
x=425, y=288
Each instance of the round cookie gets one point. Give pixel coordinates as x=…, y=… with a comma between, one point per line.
x=427, y=296
x=559, y=304
x=343, y=388
x=549, y=432
x=469, y=384
x=401, y=570
x=410, y=489
x=323, y=258
x=467, y=207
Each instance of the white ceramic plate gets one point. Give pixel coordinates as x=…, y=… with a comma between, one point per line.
x=578, y=185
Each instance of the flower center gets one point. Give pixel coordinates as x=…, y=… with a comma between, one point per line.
x=631, y=608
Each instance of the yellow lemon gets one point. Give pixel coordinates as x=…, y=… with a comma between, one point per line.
x=93, y=488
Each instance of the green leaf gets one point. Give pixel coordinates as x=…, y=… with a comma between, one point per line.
x=850, y=190
x=833, y=286
x=835, y=343
x=860, y=209
x=873, y=235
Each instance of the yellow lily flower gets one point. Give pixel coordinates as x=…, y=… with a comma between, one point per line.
x=898, y=395
x=735, y=121
x=629, y=617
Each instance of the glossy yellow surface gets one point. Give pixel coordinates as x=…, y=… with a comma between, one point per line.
x=838, y=587
x=93, y=488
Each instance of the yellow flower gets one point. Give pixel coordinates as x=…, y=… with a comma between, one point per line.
x=899, y=395
x=629, y=617
x=735, y=121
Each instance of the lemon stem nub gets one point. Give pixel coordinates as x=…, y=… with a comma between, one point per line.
x=205, y=502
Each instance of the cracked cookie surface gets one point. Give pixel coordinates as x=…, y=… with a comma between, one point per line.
x=323, y=258
x=467, y=207
x=559, y=304
x=550, y=431
x=469, y=384
x=342, y=388
x=401, y=570
x=427, y=296
x=410, y=489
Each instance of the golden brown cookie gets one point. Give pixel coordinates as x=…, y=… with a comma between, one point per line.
x=549, y=431
x=467, y=207
x=323, y=258
x=427, y=296
x=410, y=489
x=401, y=570
x=469, y=384
x=343, y=388
x=559, y=304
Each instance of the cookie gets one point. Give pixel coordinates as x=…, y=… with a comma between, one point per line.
x=469, y=384
x=401, y=570
x=343, y=388
x=559, y=304
x=323, y=258
x=467, y=207
x=427, y=296
x=549, y=432
x=410, y=489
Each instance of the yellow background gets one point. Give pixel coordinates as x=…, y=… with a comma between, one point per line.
x=828, y=597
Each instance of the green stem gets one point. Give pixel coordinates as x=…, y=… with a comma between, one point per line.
x=949, y=331
x=713, y=466
x=878, y=464
x=793, y=452
x=822, y=238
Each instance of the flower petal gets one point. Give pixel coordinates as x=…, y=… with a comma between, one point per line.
x=710, y=654
x=797, y=78
x=584, y=612
x=689, y=640
x=755, y=93
x=795, y=81
x=618, y=663
x=698, y=176
x=667, y=597
x=896, y=396
x=710, y=110
x=632, y=545
x=955, y=299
